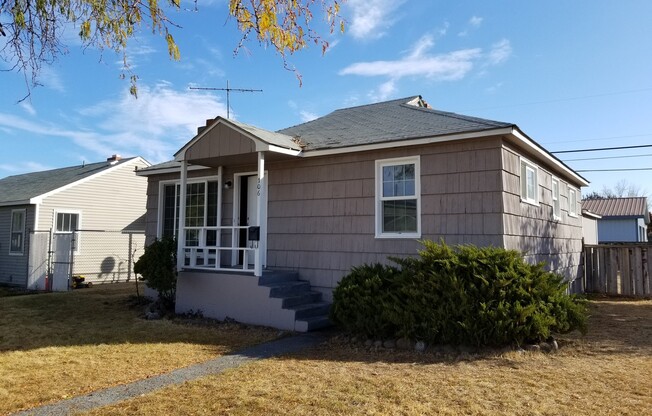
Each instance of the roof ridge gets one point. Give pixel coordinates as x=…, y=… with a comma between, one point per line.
x=85, y=166
x=450, y=114
x=337, y=110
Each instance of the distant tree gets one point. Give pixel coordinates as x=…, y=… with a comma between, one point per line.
x=33, y=28
x=622, y=189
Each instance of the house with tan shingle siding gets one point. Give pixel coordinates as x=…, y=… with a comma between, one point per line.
x=274, y=220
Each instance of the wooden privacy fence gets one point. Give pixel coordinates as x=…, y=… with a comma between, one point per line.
x=617, y=269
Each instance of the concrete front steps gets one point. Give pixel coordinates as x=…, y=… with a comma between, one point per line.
x=297, y=296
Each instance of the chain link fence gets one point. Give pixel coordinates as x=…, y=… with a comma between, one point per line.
x=56, y=260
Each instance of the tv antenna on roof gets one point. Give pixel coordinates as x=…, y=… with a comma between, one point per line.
x=228, y=94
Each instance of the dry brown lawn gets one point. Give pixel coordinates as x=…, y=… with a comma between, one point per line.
x=607, y=372
x=59, y=345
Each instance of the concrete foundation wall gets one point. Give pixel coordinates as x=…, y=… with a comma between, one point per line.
x=236, y=296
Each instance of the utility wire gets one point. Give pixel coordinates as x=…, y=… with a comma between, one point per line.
x=599, y=138
x=602, y=148
x=607, y=157
x=606, y=94
x=612, y=170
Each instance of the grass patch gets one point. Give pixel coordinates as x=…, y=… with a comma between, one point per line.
x=605, y=372
x=59, y=345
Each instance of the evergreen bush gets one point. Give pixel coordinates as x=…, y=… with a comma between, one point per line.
x=457, y=295
x=158, y=267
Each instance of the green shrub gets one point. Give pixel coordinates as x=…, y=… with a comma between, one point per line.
x=158, y=267
x=460, y=295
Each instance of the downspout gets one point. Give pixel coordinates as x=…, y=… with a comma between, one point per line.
x=181, y=233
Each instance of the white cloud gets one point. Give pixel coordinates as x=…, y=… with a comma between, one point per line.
x=500, y=52
x=50, y=78
x=419, y=61
x=29, y=108
x=23, y=167
x=307, y=116
x=370, y=18
x=154, y=126
x=475, y=21
x=384, y=91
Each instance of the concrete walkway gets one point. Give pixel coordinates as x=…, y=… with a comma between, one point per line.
x=123, y=392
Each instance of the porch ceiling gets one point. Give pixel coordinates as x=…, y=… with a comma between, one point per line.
x=238, y=159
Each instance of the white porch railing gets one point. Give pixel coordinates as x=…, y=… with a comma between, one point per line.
x=205, y=249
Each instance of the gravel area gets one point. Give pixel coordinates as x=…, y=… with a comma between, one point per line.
x=120, y=393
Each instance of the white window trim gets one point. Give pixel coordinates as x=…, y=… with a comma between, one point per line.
x=556, y=216
x=161, y=189
x=79, y=225
x=572, y=212
x=11, y=231
x=379, y=189
x=535, y=168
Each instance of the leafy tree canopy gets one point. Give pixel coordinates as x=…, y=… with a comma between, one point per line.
x=32, y=29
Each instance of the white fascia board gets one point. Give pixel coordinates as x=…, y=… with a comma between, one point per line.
x=408, y=142
x=544, y=155
x=283, y=150
x=169, y=170
x=39, y=198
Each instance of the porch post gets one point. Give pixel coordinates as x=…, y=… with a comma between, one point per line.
x=181, y=233
x=261, y=214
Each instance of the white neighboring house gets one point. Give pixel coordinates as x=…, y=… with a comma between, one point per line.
x=39, y=212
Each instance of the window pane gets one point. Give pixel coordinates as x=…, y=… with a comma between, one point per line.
x=399, y=172
x=400, y=216
x=409, y=171
x=410, y=188
x=388, y=189
x=399, y=188
x=211, y=218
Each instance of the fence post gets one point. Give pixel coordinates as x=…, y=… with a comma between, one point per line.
x=129, y=260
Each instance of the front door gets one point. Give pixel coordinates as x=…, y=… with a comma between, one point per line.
x=248, y=213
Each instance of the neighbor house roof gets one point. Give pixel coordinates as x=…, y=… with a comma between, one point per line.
x=401, y=119
x=23, y=189
x=617, y=207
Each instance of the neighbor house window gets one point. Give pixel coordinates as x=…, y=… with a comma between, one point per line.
x=529, y=182
x=17, y=234
x=572, y=202
x=201, y=211
x=556, y=208
x=67, y=222
x=398, y=198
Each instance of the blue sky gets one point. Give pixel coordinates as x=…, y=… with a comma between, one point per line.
x=570, y=74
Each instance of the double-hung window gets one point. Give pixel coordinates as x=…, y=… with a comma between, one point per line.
x=572, y=202
x=556, y=207
x=529, y=182
x=17, y=234
x=398, y=198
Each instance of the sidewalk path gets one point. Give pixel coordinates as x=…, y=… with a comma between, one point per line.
x=123, y=392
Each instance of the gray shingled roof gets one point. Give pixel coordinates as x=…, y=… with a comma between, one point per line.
x=617, y=207
x=384, y=122
x=387, y=121
x=21, y=188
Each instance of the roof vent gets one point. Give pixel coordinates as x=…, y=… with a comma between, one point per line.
x=114, y=159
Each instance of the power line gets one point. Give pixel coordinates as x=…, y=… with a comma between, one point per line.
x=557, y=100
x=600, y=138
x=607, y=157
x=597, y=149
x=612, y=170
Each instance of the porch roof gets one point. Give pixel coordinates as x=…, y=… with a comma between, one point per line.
x=262, y=140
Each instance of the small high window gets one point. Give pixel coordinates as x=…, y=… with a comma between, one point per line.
x=67, y=222
x=398, y=198
x=529, y=182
